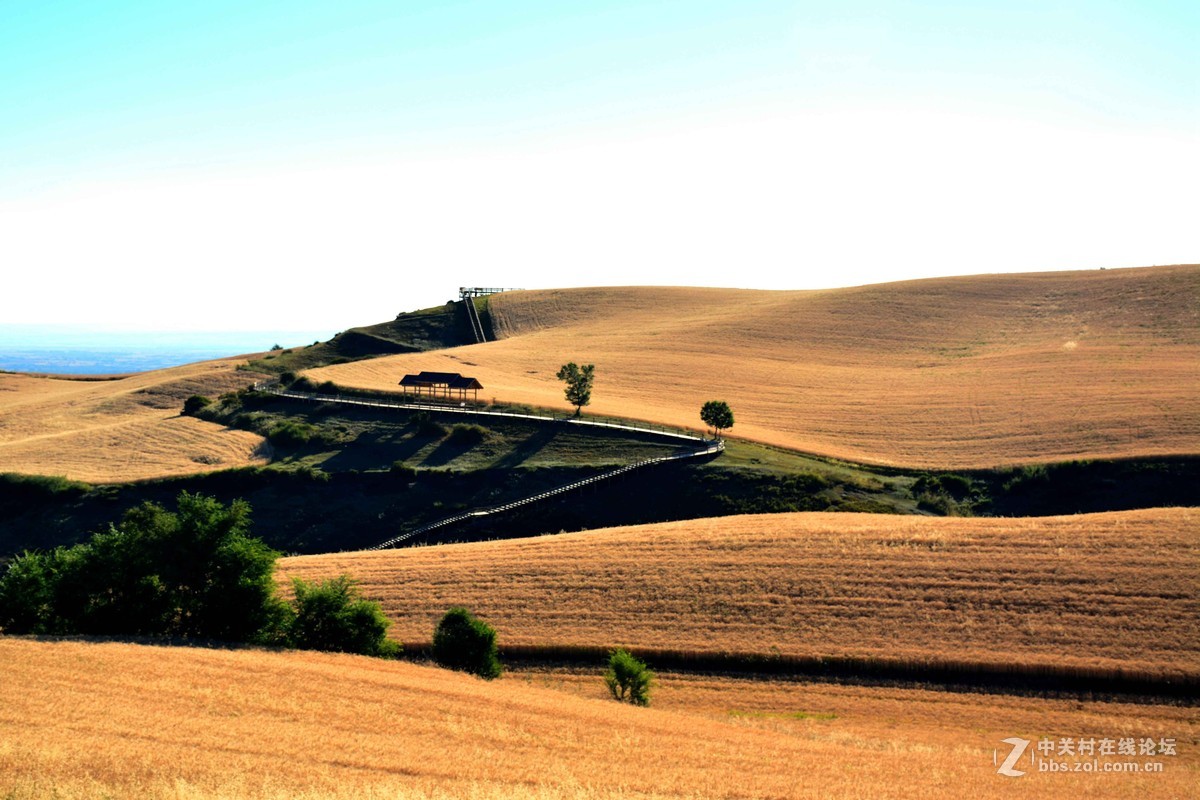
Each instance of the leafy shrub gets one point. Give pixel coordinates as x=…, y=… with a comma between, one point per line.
x=31, y=486
x=1027, y=478
x=956, y=486
x=332, y=616
x=468, y=434
x=939, y=503
x=304, y=384
x=252, y=399
x=192, y=573
x=628, y=678
x=328, y=387
x=195, y=403
x=950, y=495
x=402, y=470
x=466, y=644
x=312, y=473
x=427, y=426
x=291, y=433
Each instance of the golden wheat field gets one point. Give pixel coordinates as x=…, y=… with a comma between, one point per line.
x=82, y=720
x=121, y=430
x=1113, y=589
x=956, y=372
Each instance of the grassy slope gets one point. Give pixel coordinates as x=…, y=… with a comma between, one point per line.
x=415, y=331
x=127, y=721
x=121, y=430
x=956, y=372
x=1113, y=589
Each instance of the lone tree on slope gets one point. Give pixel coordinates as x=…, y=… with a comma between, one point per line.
x=579, y=384
x=628, y=678
x=717, y=415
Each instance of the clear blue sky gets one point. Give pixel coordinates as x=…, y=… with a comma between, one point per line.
x=327, y=164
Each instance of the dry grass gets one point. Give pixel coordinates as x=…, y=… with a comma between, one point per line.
x=928, y=724
x=120, y=430
x=957, y=372
x=1104, y=590
x=126, y=721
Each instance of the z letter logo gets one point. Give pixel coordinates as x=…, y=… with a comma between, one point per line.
x=1018, y=749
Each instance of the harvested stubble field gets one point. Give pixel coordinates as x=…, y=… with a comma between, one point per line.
x=1114, y=590
x=955, y=373
x=121, y=430
x=130, y=721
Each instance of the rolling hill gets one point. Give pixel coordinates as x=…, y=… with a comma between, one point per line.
x=124, y=429
x=946, y=373
x=968, y=372
x=1114, y=590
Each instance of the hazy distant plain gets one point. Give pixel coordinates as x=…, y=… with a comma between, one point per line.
x=82, y=351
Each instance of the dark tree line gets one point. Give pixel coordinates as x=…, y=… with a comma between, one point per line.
x=194, y=573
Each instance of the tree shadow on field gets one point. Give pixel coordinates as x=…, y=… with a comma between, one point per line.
x=376, y=451
x=527, y=448
x=447, y=451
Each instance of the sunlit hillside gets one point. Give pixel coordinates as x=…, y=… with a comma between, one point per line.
x=1114, y=590
x=81, y=720
x=120, y=430
x=955, y=372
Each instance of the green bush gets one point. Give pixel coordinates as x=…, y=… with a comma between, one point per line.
x=195, y=403
x=468, y=434
x=40, y=486
x=628, y=678
x=956, y=486
x=304, y=384
x=467, y=644
x=314, y=474
x=290, y=433
x=191, y=573
x=332, y=616
x=1027, y=478
x=427, y=426
x=402, y=470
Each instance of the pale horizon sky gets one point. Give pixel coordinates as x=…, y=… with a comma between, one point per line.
x=317, y=166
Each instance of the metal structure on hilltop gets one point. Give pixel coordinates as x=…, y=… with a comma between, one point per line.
x=467, y=295
x=480, y=291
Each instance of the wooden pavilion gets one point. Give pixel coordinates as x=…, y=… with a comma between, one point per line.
x=445, y=385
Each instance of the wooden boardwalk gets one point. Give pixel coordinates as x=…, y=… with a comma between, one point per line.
x=704, y=447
